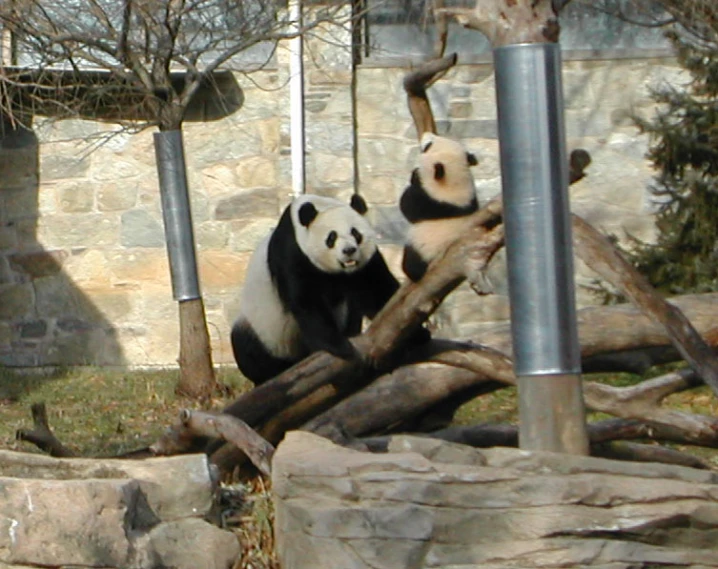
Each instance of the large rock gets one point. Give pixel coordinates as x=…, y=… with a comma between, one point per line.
x=124, y=514
x=75, y=522
x=162, y=480
x=427, y=503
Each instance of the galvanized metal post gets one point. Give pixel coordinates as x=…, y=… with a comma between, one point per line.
x=177, y=215
x=296, y=99
x=534, y=172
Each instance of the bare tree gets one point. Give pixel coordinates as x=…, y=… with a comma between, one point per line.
x=699, y=18
x=140, y=63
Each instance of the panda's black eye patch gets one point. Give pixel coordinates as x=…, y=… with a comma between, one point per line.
x=357, y=235
x=439, y=171
x=331, y=239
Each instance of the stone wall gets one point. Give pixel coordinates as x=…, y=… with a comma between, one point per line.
x=84, y=275
x=427, y=503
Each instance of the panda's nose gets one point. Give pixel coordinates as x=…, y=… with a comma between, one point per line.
x=350, y=250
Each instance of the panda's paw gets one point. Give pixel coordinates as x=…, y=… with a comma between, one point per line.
x=420, y=336
x=345, y=350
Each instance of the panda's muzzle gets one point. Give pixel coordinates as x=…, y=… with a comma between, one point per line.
x=350, y=260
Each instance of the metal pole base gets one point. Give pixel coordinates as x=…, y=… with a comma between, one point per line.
x=552, y=414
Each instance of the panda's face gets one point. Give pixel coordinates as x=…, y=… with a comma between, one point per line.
x=444, y=169
x=333, y=236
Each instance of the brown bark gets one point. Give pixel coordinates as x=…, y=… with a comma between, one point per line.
x=197, y=378
x=407, y=310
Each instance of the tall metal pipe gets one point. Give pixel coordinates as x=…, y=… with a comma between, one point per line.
x=177, y=214
x=534, y=172
x=296, y=99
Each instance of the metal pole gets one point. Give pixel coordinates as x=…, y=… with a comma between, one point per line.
x=296, y=99
x=534, y=172
x=177, y=215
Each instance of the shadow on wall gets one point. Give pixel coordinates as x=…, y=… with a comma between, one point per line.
x=45, y=320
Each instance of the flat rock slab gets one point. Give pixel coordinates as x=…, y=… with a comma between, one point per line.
x=428, y=503
x=124, y=514
x=162, y=479
x=81, y=522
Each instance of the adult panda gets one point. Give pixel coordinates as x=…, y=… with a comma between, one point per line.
x=308, y=286
x=437, y=202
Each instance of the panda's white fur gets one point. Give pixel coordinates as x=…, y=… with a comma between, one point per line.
x=308, y=286
x=431, y=238
x=438, y=202
x=261, y=307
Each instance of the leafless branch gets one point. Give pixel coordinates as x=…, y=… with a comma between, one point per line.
x=138, y=46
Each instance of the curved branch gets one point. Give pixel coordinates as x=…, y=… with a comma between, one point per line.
x=415, y=85
x=41, y=435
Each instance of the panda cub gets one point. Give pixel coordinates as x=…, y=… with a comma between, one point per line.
x=308, y=286
x=437, y=202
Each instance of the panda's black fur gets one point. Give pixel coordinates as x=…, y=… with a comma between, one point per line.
x=440, y=197
x=302, y=294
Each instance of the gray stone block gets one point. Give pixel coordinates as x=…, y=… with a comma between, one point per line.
x=427, y=503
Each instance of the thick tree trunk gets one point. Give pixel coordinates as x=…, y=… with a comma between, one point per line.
x=506, y=22
x=197, y=378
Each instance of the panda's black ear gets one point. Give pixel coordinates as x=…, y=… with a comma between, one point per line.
x=307, y=214
x=439, y=171
x=471, y=158
x=358, y=204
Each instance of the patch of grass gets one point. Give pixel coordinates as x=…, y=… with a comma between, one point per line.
x=98, y=412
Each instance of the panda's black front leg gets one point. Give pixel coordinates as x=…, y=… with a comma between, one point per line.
x=413, y=265
x=320, y=331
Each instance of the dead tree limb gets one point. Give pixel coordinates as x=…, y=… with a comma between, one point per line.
x=411, y=390
x=415, y=85
x=608, y=440
x=601, y=256
x=234, y=431
x=42, y=436
x=636, y=452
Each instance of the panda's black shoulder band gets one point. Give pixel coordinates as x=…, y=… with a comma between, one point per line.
x=417, y=205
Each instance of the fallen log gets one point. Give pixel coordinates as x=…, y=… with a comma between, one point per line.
x=608, y=439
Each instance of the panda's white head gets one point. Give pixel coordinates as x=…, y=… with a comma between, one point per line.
x=444, y=169
x=334, y=236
